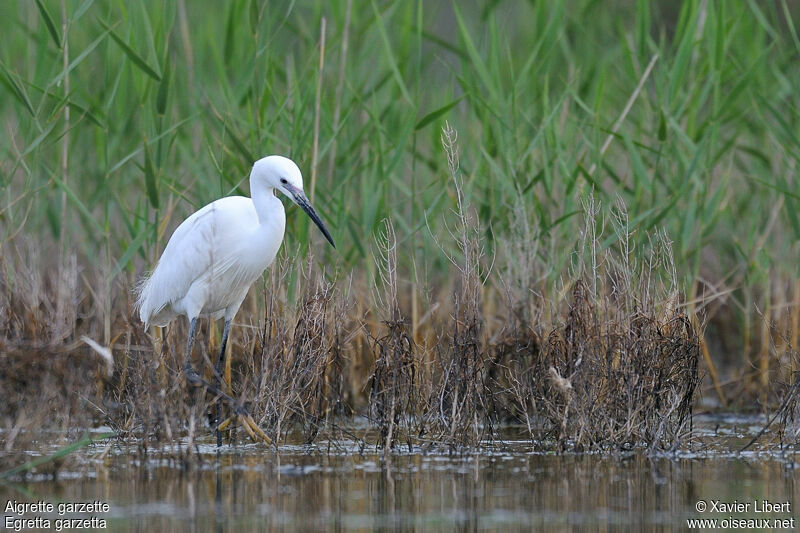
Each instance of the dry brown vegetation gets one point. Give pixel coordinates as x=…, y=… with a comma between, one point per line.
x=615, y=370
x=607, y=360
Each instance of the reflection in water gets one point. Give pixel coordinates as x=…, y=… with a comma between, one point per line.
x=507, y=487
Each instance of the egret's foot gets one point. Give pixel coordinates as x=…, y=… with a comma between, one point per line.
x=249, y=425
x=246, y=421
x=192, y=377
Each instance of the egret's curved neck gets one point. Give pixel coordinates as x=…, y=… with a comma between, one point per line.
x=267, y=205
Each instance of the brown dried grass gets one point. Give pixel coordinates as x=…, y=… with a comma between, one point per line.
x=609, y=359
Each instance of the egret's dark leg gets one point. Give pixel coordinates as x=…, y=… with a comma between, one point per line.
x=187, y=365
x=220, y=364
x=221, y=358
x=240, y=412
x=194, y=378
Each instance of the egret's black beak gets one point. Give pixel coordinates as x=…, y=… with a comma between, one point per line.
x=300, y=199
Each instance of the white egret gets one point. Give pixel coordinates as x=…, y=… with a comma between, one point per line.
x=215, y=255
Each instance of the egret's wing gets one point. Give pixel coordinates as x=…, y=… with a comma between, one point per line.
x=204, y=244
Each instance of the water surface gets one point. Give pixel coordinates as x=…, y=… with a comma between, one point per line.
x=508, y=486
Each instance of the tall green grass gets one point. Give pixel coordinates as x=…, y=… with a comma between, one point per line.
x=170, y=102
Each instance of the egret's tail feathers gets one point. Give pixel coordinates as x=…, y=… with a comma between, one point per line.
x=143, y=305
x=153, y=300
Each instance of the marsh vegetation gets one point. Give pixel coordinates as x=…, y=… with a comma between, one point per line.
x=571, y=217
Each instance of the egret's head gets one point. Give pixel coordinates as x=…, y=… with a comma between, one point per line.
x=282, y=174
x=278, y=172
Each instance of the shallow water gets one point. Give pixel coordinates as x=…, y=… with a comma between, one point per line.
x=505, y=487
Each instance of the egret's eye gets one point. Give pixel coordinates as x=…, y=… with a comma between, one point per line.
x=283, y=180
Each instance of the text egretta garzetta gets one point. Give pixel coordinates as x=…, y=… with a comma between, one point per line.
x=216, y=254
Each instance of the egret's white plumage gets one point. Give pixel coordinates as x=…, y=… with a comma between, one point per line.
x=211, y=260
x=217, y=253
